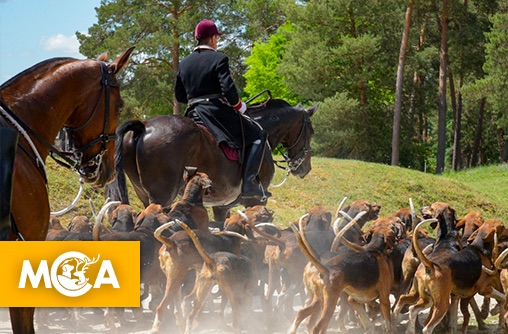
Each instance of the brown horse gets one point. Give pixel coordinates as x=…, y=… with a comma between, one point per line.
x=84, y=97
x=154, y=153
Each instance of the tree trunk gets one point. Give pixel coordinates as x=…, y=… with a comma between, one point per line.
x=456, y=99
x=478, y=136
x=175, y=55
x=417, y=101
x=504, y=153
x=398, y=89
x=441, y=132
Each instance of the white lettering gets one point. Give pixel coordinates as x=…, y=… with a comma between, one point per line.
x=106, y=267
x=35, y=278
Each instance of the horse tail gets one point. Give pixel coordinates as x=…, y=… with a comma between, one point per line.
x=117, y=190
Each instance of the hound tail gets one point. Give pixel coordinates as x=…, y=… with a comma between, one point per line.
x=165, y=241
x=210, y=263
x=419, y=253
x=310, y=255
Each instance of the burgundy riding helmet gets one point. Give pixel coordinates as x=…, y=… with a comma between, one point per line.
x=206, y=28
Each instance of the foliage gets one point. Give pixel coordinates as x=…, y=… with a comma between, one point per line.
x=333, y=179
x=162, y=32
x=496, y=65
x=347, y=53
x=262, y=67
x=316, y=51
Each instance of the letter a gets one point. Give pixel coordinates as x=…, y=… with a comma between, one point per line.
x=106, y=267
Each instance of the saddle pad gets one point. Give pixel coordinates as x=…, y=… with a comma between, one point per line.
x=229, y=152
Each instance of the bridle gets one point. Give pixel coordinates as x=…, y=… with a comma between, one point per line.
x=72, y=158
x=297, y=160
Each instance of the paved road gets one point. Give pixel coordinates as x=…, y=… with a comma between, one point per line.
x=93, y=322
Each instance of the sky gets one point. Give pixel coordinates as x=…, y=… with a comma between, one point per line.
x=36, y=30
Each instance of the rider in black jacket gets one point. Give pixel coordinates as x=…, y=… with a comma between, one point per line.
x=204, y=83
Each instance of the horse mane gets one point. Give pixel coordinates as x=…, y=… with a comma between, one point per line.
x=269, y=105
x=57, y=61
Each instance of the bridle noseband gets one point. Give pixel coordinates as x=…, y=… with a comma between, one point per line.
x=297, y=160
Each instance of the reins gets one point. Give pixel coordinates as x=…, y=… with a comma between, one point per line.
x=293, y=163
x=72, y=158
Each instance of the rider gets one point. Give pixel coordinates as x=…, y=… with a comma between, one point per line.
x=8, y=146
x=204, y=83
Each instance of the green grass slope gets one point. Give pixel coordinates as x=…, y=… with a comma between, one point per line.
x=483, y=189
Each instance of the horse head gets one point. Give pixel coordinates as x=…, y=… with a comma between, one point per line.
x=91, y=127
x=297, y=143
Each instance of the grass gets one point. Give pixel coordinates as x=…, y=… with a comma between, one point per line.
x=480, y=189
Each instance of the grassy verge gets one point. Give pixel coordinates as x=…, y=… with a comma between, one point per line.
x=481, y=189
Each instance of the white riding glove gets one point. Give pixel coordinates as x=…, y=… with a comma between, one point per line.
x=241, y=107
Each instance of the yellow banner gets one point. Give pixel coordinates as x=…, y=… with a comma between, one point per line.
x=70, y=274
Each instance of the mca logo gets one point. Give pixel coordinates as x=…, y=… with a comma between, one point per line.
x=69, y=274
x=69, y=271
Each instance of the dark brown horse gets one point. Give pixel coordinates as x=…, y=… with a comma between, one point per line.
x=155, y=152
x=84, y=97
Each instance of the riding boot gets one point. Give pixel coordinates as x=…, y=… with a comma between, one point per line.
x=8, y=146
x=251, y=187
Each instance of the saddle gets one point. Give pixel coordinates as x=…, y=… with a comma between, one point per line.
x=230, y=152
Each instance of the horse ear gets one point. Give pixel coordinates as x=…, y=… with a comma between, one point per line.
x=121, y=60
x=312, y=109
x=189, y=172
x=103, y=57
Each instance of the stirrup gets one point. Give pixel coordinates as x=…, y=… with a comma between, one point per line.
x=264, y=194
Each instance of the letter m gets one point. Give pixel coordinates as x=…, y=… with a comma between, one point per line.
x=35, y=278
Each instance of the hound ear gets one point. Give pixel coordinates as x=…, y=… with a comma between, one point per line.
x=454, y=215
x=189, y=172
x=501, y=230
x=473, y=236
x=390, y=240
x=478, y=221
x=328, y=217
x=367, y=236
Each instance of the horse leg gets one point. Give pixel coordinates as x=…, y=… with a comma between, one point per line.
x=220, y=213
x=22, y=320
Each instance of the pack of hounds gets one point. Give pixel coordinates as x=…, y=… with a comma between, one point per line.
x=376, y=273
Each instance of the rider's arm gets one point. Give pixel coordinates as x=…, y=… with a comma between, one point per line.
x=227, y=85
x=180, y=93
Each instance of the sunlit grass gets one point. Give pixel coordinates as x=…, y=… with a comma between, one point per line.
x=482, y=189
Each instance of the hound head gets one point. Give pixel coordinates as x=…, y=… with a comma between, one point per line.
x=443, y=212
x=372, y=211
x=319, y=219
x=192, y=176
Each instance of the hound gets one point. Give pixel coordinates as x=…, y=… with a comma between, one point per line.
x=145, y=225
x=190, y=208
x=177, y=255
x=450, y=271
x=363, y=272
x=234, y=274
